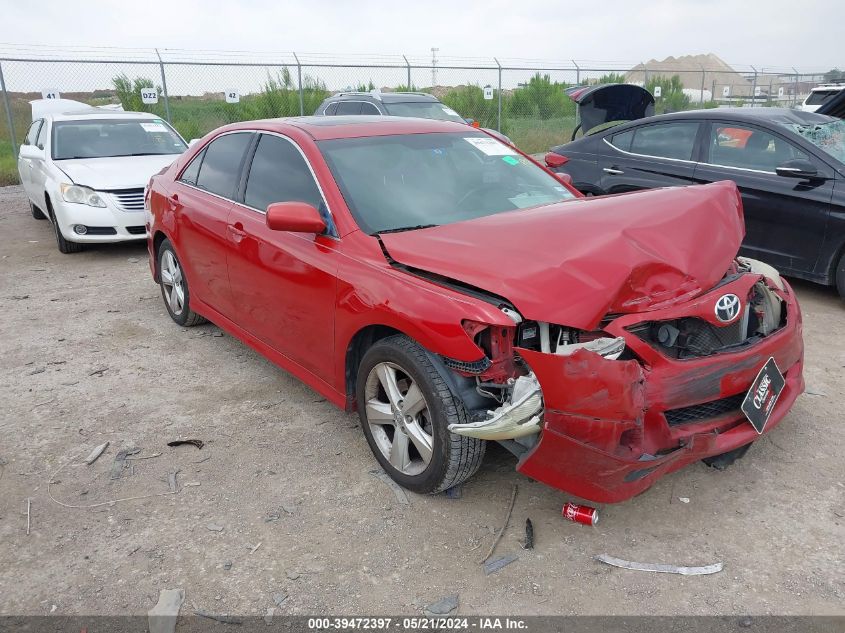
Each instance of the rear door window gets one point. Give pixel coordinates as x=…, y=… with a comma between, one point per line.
x=221, y=166
x=349, y=107
x=623, y=140
x=369, y=108
x=666, y=140
x=330, y=109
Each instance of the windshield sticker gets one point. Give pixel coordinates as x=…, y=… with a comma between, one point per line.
x=450, y=111
x=490, y=146
x=153, y=127
x=510, y=160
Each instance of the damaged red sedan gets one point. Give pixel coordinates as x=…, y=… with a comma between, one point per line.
x=455, y=292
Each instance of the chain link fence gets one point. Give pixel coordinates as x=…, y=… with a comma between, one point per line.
x=198, y=91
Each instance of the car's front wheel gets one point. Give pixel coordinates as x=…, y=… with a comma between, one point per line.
x=174, y=287
x=405, y=408
x=37, y=213
x=64, y=246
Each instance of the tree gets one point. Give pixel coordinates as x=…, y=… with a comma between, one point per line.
x=834, y=75
x=541, y=98
x=672, y=98
x=129, y=92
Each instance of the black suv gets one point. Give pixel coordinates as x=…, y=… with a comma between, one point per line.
x=406, y=104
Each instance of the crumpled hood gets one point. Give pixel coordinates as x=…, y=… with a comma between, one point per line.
x=574, y=262
x=121, y=172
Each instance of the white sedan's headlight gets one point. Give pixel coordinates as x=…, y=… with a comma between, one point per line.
x=81, y=195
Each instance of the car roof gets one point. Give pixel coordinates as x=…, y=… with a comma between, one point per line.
x=99, y=113
x=322, y=128
x=750, y=115
x=384, y=97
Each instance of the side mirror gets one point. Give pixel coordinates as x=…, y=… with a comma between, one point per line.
x=564, y=178
x=299, y=217
x=31, y=151
x=797, y=168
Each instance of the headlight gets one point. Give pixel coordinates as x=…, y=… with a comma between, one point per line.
x=81, y=195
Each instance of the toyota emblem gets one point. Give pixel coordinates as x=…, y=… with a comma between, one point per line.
x=727, y=308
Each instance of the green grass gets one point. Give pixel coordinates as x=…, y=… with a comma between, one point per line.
x=8, y=165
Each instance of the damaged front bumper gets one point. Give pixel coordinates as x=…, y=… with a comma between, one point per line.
x=611, y=428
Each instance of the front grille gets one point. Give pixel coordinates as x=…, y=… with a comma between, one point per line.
x=129, y=199
x=136, y=230
x=705, y=411
x=100, y=230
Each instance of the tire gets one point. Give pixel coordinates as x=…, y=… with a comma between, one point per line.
x=840, y=276
x=174, y=287
x=452, y=458
x=37, y=213
x=65, y=246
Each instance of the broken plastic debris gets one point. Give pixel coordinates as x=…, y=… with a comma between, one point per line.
x=444, y=606
x=496, y=564
x=683, y=499
x=529, y=535
x=162, y=617
x=659, y=567
x=610, y=348
x=516, y=418
x=198, y=443
x=214, y=528
x=95, y=454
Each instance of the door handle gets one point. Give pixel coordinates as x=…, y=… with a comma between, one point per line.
x=236, y=232
x=613, y=170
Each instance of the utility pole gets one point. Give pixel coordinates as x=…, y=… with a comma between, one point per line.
x=434, y=52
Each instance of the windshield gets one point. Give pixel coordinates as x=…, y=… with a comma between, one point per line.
x=403, y=182
x=114, y=137
x=424, y=110
x=828, y=137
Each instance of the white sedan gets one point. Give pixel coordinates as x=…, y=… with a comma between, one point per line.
x=85, y=170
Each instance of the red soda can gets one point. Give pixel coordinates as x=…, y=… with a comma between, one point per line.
x=580, y=514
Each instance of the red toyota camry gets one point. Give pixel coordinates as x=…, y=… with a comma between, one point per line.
x=455, y=292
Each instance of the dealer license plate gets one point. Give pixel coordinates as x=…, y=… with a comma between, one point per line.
x=761, y=398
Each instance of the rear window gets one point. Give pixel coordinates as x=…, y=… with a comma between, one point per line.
x=424, y=110
x=818, y=97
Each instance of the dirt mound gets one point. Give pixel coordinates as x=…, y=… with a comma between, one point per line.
x=717, y=73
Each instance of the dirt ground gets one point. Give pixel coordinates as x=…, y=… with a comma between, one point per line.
x=283, y=502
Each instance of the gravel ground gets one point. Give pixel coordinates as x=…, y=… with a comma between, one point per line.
x=281, y=500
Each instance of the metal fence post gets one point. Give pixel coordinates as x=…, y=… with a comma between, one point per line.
x=164, y=87
x=299, y=84
x=409, y=72
x=499, y=120
x=795, y=89
x=8, y=113
x=645, y=74
x=577, y=73
x=754, y=88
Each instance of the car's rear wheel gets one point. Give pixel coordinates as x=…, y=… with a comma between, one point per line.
x=37, y=213
x=174, y=287
x=64, y=246
x=405, y=407
x=840, y=276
